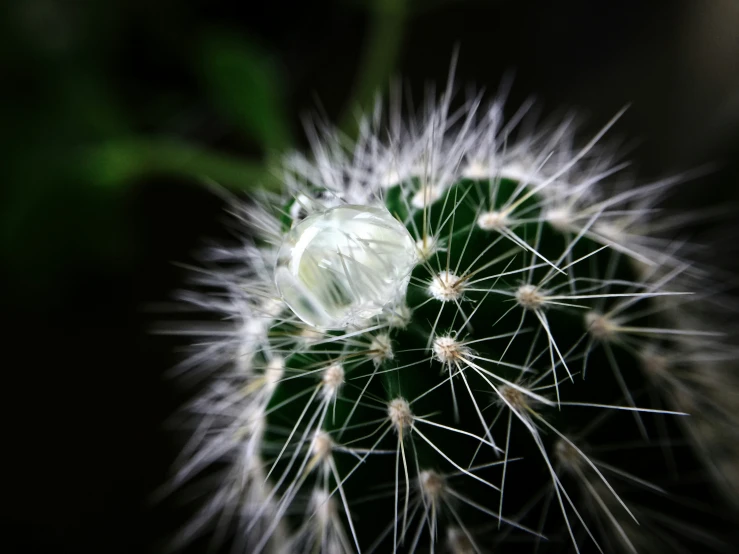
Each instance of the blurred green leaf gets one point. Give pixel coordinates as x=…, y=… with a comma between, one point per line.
x=117, y=162
x=246, y=86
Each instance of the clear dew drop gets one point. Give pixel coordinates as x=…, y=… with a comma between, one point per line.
x=345, y=265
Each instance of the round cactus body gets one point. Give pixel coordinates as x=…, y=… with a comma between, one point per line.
x=458, y=340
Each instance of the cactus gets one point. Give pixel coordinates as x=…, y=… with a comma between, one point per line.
x=450, y=335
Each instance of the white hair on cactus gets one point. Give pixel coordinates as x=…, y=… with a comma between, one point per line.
x=306, y=361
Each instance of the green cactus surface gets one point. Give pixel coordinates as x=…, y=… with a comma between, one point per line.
x=450, y=342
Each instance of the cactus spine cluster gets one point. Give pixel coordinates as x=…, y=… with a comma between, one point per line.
x=451, y=335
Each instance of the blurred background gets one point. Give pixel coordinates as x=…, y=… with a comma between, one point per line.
x=115, y=114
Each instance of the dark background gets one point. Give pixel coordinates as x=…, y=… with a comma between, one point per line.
x=112, y=115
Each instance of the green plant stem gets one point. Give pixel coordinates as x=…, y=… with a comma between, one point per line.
x=379, y=59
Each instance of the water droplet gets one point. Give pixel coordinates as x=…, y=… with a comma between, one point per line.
x=345, y=265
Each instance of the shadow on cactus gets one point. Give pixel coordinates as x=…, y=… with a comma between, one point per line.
x=451, y=335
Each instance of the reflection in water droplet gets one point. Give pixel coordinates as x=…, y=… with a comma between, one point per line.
x=345, y=265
